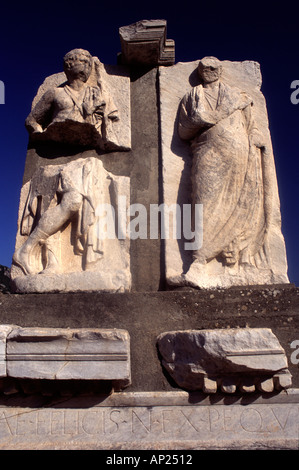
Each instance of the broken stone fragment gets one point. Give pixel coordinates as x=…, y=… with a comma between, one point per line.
x=4, y=332
x=243, y=359
x=145, y=43
x=64, y=354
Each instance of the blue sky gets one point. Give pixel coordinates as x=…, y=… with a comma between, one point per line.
x=35, y=36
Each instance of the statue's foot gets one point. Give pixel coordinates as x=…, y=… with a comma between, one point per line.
x=192, y=275
x=51, y=270
x=21, y=259
x=53, y=266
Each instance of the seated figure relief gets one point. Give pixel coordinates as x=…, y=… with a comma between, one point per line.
x=79, y=110
x=60, y=244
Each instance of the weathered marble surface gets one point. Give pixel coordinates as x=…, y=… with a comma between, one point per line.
x=175, y=81
x=159, y=421
x=4, y=332
x=70, y=232
x=145, y=43
x=65, y=353
x=234, y=359
x=88, y=104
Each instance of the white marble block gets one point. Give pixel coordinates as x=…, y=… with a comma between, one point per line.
x=4, y=332
x=61, y=354
x=229, y=359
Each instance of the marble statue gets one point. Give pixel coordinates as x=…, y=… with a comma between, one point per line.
x=217, y=155
x=75, y=196
x=80, y=110
x=60, y=243
x=227, y=170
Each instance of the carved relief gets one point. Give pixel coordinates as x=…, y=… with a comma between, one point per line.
x=228, y=171
x=145, y=43
x=66, y=353
x=62, y=243
x=217, y=126
x=82, y=106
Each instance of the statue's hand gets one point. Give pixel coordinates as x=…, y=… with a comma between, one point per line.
x=198, y=114
x=34, y=128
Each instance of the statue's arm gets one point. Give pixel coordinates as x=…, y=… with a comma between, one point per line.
x=256, y=138
x=193, y=117
x=40, y=113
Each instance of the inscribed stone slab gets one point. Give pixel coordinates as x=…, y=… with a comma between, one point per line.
x=151, y=421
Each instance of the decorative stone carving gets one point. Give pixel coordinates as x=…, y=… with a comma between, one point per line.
x=62, y=354
x=243, y=359
x=145, y=43
x=70, y=235
x=86, y=105
x=215, y=136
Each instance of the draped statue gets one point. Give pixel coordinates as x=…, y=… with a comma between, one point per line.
x=59, y=245
x=78, y=111
x=229, y=172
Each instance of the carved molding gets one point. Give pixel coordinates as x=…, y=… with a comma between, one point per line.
x=241, y=359
x=145, y=43
x=65, y=353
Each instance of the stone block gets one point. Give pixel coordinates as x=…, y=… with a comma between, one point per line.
x=152, y=421
x=145, y=43
x=63, y=354
x=232, y=359
x=4, y=332
x=86, y=251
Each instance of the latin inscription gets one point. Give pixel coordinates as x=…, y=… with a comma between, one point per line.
x=150, y=423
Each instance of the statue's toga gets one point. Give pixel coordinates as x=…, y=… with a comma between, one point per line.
x=227, y=170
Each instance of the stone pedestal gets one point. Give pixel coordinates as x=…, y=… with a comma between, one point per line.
x=153, y=412
x=82, y=363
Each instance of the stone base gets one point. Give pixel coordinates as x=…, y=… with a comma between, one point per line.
x=117, y=281
x=153, y=413
x=146, y=315
x=151, y=421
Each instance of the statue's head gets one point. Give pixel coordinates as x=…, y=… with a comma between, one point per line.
x=209, y=69
x=77, y=64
